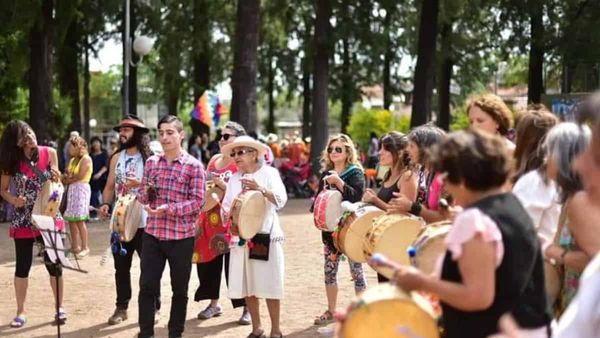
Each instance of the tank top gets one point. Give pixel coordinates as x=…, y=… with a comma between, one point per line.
x=75, y=165
x=129, y=166
x=387, y=193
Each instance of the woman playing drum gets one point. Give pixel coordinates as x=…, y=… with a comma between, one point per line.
x=256, y=275
x=25, y=166
x=344, y=173
x=207, y=256
x=493, y=262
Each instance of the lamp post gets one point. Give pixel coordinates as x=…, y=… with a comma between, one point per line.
x=141, y=45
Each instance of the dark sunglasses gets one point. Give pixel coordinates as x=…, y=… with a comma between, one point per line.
x=240, y=152
x=226, y=136
x=338, y=150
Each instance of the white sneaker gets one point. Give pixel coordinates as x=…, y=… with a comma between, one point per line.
x=210, y=311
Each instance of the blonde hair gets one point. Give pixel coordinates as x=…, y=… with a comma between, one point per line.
x=350, y=150
x=80, y=144
x=495, y=107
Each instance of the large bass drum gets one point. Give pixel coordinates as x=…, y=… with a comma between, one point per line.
x=349, y=238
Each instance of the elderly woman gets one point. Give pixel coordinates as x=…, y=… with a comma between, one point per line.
x=493, y=262
x=25, y=167
x=251, y=277
x=209, y=258
x=342, y=171
x=487, y=112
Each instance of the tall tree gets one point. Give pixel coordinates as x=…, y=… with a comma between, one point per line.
x=68, y=69
x=536, y=51
x=40, y=71
x=201, y=46
x=320, y=113
x=446, y=64
x=243, y=79
x=424, y=70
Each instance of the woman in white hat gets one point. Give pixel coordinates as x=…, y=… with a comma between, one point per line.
x=252, y=278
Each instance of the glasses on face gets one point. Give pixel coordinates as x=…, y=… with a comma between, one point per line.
x=226, y=137
x=338, y=150
x=240, y=152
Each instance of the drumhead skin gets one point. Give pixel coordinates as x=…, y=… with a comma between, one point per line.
x=48, y=200
x=429, y=245
x=327, y=210
x=391, y=236
x=351, y=238
x=385, y=311
x=210, y=202
x=248, y=213
x=126, y=217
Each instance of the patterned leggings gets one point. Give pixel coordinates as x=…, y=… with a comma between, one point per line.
x=331, y=269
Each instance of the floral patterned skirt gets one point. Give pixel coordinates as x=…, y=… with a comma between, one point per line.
x=78, y=202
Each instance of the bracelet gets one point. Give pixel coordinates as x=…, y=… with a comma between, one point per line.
x=415, y=208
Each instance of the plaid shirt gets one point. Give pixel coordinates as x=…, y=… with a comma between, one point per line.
x=181, y=186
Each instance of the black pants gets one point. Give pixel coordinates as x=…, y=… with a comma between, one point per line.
x=24, y=258
x=209, y=275
x=155, y=253
x=123, y=271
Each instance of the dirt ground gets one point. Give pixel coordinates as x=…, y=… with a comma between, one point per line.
x=90, y=297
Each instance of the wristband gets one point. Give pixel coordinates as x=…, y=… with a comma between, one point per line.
x=415, y=208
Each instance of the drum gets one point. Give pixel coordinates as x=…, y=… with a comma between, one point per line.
x=350, y=236
x=126, y=217
x=391, y=235
x=386, y=311
x=210, y=202
x=48, y=200
x=248, y=213
x=327, y=209
x=429, y=245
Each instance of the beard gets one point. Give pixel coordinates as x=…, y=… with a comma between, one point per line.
x=128, y=143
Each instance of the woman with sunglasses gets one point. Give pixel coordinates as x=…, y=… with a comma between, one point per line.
x=428, y=203
x=342, y=171
x=399, y=179
x=25, y=167
x=253, y=277
x=493, y=262
x=209, y=260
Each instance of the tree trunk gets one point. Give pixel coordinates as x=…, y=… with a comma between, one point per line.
x=322, y=42
x=40, y=72
x=306, y=97
x=346, y=85
x=68, y=74
x=443, y=120
x=172, y=88
x=387, y=61
x=270, y=90
x=86, y=90
x=201, y=53
x=243, y=79
x=424, y=70
x=133, y=88
x=536, y=53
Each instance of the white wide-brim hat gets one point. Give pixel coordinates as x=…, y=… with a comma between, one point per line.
x=244, y=141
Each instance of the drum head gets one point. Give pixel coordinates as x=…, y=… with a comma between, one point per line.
x=429, y=246
x=48, y=200
x=375, y=314
x=391, y=236
x=354, y=239
x=210, y=202
x=251, y=214
x=133, y=217
x=327, y=210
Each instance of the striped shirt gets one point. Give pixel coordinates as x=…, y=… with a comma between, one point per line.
x=181, y=186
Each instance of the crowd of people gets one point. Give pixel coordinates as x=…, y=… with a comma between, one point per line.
x=520, y=259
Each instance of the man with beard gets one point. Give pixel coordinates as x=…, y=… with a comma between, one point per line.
x=124, y=177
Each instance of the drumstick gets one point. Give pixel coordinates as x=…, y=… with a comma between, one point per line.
x=380, y=260
x=215, y=197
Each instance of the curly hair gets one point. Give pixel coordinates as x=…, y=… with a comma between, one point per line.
x=477, y=159
x=350, y=149
x=80, y=144
x=11, y=149
x=533, y=126
x=496, y=108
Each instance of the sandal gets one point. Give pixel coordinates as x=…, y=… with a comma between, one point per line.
x=260, y=335
x=325, y=318
x=18, y=321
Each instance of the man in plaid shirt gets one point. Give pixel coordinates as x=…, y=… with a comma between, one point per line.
x=173, y=194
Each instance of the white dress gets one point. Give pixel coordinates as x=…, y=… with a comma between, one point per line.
x=250, y=277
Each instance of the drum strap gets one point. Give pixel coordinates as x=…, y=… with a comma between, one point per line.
x=37, y=171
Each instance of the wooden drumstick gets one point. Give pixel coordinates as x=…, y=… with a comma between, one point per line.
x=380, y=260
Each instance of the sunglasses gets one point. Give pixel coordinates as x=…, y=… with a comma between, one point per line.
x=226, y=136
x=338, y=150
x=240, y=152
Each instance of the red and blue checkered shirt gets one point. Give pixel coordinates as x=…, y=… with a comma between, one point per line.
x=180, y=185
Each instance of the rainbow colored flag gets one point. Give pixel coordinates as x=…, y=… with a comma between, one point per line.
x=208, y=109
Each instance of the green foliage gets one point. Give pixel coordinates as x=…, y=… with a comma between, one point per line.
x=460, y=119
x=380, y=121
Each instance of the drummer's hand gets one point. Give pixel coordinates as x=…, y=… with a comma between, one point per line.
x=399, y=204
x=156, y=212
x=132, y=182
x=104, y=211
x=508, y=328
x=219, y=182
x=54, y=175
x=408, y=278
x=250, y=184
x=334, y=179
x=19, y=201
x=369, y=196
